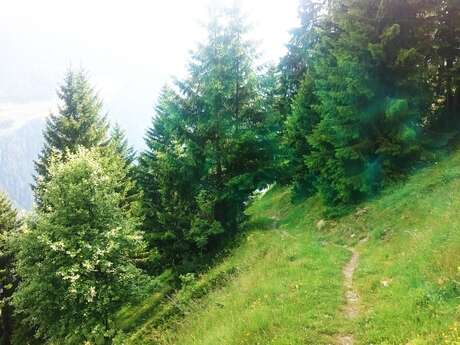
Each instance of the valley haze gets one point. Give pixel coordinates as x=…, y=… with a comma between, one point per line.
x=130, y=52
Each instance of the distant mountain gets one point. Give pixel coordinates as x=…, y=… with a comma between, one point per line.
x=19, y=147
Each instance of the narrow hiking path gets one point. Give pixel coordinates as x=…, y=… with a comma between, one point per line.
x=351, y=296
x=351, y=309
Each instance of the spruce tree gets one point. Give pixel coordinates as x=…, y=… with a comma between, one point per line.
x=79, y=122
x=446, y=61
x=169, y=179
x=298, y=128
x=233, y=139
x=357, y=116
x=297, y=60
x=272, y=104
x=298, y=85
x=8, y=278
x=210, y=144
x=120, y=143
x=118, y=146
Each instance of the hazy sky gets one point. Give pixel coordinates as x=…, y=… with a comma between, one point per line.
x=131, y=48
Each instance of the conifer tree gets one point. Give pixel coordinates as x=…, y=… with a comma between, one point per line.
x=78, y=123
x=272, y=106
x=298, y=88
x=297, y=60
x=210, y=145
x=446, y=60
x=358, y=113
x=298, y=128
x=8, y=277
x=118, y=146
x=231, y=130
x=169, y=178
x=120, y=143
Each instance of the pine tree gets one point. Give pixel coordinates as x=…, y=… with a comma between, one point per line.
x=77, y=261
x=78, y=123
x=8, y=278
x=341, y=140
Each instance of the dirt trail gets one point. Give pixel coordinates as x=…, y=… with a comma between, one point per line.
x=351, y=310
x=351, y=296
x=346, y=340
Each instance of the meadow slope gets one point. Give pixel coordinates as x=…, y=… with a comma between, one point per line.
x=283, y=283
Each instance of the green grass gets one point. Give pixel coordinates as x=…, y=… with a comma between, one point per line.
x=415, y=247
x=283, y=283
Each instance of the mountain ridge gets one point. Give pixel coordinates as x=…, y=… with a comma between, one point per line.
x=19, y=148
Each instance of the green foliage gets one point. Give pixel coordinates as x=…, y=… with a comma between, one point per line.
x=119, y=146
x=356, y=119
x=167, y=174
x=296, y=63
x=272, y=103
x=77, y=258
x=299, y=126
x=120, y=143
x=346, y=112
x=280, y=283
x=9, y=225
x=343, y=140
x=210, y=146
x=408, y=273
x=445, y=63
x=78, y=123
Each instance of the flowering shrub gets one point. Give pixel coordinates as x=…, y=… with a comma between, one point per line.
x=77, y=260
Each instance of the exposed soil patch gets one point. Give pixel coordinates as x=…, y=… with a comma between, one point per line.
x=346, y=340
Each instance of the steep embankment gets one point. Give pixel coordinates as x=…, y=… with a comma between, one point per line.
x=290, y=283
x=281, y=285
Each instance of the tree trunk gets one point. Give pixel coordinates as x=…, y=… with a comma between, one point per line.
x=107, y=339
x=7, y=325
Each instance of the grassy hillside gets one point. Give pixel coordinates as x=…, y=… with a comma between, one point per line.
x=283, y=283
